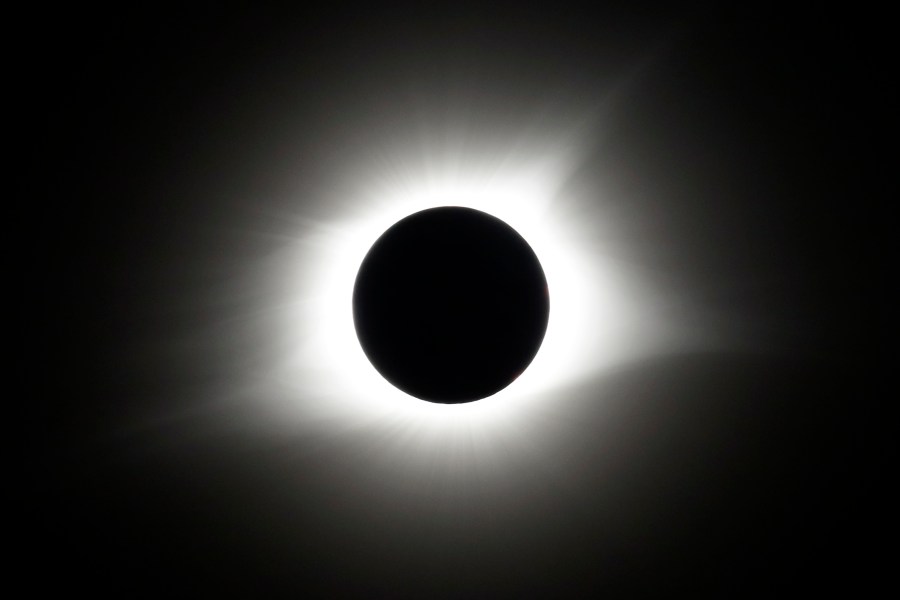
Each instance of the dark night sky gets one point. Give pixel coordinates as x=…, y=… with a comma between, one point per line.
x=739, y=149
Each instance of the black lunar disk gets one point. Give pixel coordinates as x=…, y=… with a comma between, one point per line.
x=451, y=305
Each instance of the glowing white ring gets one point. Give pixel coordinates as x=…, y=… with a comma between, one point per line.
x=591, y=312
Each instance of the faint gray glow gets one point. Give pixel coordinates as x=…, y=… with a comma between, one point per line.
x=301, y=369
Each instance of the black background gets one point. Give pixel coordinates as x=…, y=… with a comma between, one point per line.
x=747, y=150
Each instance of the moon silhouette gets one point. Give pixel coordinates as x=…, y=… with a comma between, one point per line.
x=450, y=305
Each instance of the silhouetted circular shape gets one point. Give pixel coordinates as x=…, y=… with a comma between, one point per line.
x=450, y=305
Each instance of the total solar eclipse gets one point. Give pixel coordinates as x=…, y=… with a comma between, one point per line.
x=450, y=305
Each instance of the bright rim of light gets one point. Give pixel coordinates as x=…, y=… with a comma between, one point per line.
x=591, y=310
